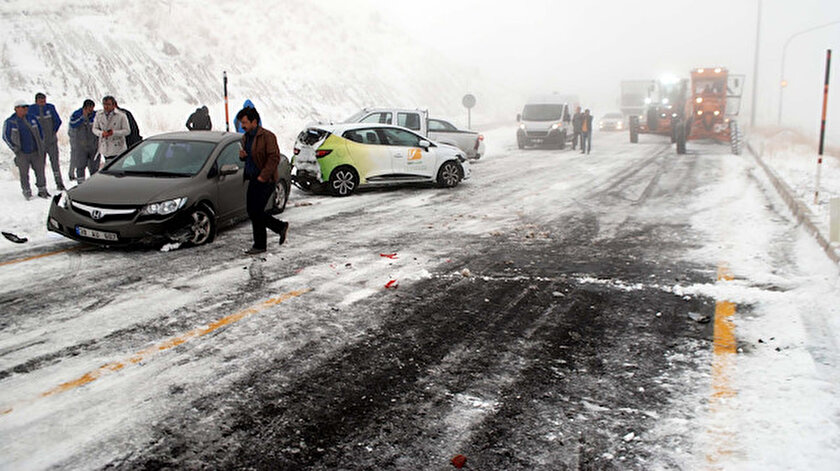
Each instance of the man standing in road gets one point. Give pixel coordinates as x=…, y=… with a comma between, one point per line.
x=262, y=156
x=23, y=135
x=200, y=120
x=49, y=120
x=586, y=132
x=577, y=119
x=111, y=127
x=83, y=142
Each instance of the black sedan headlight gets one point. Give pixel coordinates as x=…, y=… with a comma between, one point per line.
x=163, y=208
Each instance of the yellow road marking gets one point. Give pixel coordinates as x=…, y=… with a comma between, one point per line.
x=721, y=435
x=173, y=342
x=35, y=257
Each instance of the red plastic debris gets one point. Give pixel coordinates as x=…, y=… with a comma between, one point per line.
x=392, y=256
x=392, y=284
x=459, y=461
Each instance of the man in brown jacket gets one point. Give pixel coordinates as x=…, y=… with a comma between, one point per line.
x=261, y=156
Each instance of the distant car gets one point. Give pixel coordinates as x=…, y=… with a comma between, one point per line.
x=611, y=122
x=178, y=187
x=437, y=130
x=341, y=158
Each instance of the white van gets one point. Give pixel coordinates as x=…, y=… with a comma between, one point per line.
x=546, y=121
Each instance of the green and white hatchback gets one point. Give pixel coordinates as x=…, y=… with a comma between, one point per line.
x=343, y=157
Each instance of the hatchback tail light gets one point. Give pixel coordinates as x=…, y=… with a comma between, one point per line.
x=322, y=152
x=478, y=141
x=297, y=151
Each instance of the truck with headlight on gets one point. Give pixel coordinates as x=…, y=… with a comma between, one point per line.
x=712, y=110
x=656, y=105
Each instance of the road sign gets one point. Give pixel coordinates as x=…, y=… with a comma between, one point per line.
x=468, y=101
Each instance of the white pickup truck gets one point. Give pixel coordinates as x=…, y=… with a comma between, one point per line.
x=438, y=130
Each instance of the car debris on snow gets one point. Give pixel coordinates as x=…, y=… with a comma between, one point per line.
x=170, y=247
x=700, y=318
x=15, y=238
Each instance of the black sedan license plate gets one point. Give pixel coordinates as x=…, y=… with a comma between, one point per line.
x=93, y=234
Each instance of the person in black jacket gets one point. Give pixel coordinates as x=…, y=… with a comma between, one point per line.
x=134, y=136
x=577, y=120
x=200, y=120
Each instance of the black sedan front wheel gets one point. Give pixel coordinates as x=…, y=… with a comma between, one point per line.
x=202, y=226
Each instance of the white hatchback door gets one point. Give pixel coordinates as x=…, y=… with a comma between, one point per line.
x=370, y=154
x=408, y=158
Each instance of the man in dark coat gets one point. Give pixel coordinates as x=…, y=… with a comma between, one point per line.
x=49, y=120
x=83, y=142
x=262, y=156
x=134, y=135
x=577, y=120
x=200, y=120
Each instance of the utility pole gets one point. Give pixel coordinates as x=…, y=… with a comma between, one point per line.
x=755, y=67
x=822, y=123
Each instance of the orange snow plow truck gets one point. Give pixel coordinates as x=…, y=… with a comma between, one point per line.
x=711, y=111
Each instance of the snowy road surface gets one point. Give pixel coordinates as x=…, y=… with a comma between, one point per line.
x=546, y=314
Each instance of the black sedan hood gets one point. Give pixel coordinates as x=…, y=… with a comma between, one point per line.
x=108, y=189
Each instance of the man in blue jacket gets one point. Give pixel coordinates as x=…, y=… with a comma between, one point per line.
x=24, y=137
x=83, y=142
x=49, y=120
x=237, y=124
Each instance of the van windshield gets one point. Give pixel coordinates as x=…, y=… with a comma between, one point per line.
x=542, y=112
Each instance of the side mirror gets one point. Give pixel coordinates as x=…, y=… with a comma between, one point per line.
x=229, y=169
x=424, y=144
x=518, y=117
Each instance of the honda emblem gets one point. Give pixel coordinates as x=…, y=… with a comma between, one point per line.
x=96, y=214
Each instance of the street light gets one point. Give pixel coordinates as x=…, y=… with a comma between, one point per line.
x=784, y=83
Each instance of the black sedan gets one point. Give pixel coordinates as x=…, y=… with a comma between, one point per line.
x=178, y=187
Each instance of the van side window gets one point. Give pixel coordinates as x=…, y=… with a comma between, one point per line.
x=409, y=120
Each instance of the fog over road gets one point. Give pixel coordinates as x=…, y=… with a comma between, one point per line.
x=544, y=316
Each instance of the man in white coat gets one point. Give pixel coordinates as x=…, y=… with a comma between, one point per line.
x=111, y=126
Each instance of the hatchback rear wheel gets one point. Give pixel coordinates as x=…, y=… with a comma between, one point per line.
x=343, y=181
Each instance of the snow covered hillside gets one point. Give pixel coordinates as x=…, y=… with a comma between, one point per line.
x=298, y=61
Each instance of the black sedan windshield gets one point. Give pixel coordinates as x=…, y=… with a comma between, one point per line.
x=164, y=158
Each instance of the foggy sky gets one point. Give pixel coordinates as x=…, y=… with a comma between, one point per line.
x=541, y=46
